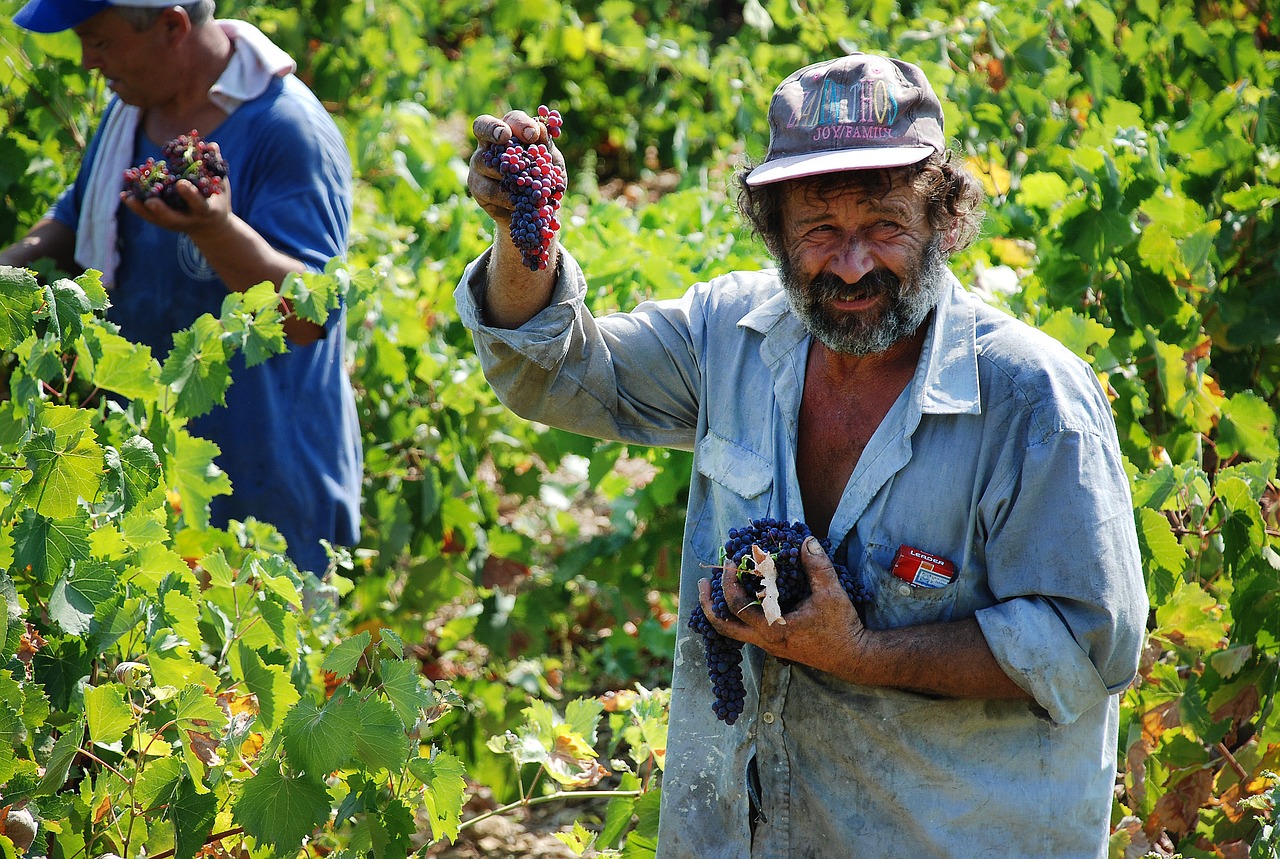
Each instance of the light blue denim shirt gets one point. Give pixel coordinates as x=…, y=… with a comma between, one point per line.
x=1000, y=456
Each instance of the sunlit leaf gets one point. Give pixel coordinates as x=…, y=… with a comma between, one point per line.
x=196, y=369
x=444, y=777
x=108, y=713
x=281, y=810
x=318, y=740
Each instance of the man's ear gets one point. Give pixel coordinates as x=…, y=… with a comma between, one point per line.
x=950, y=238
x=175, y=22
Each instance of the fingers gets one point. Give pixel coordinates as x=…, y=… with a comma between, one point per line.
x=516, y=123
x=819, y=568
x=736, y=597
x=483, y=179
x=743, y=607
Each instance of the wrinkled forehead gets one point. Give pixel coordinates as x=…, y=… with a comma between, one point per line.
x=884, y=192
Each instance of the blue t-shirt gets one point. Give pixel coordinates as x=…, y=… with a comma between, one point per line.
x=289, y=435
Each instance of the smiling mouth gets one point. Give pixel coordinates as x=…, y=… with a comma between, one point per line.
x=854, y=296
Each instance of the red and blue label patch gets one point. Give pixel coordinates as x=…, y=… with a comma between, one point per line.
x=922, y=570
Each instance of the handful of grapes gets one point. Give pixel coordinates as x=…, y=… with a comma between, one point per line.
x=185, y=157
x=535, y=184
x=782, y=543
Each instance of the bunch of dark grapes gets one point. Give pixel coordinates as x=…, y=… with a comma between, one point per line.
x=535, y=184
x=724, y=658
x=185, y=157
x=783, y=541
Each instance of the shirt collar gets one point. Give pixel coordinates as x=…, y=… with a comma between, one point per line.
x=946, y=378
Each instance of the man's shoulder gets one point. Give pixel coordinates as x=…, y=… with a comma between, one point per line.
x=740, y=293
x=287, y=105
x=1018, y=360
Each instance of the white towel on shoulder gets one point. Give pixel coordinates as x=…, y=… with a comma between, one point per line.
x=255, y=62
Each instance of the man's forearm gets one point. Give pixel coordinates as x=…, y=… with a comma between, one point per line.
x=48, y=239
x=513, y=293
x=243, y=259
x=949, y=659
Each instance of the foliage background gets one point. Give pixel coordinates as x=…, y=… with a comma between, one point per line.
x=1130, y=150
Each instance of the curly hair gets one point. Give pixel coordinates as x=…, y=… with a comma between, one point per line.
x=953, y=196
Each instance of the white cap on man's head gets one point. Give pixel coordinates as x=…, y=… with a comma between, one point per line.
x=54, y=16
x=856, y=112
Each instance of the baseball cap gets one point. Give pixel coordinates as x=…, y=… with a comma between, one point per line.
x=855, y=112
x=54, y=16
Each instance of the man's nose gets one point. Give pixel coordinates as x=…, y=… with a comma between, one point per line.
x=853, y=260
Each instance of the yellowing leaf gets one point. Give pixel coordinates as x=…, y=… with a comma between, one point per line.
x=572, y=762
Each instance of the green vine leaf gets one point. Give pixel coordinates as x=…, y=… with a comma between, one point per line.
x=46, y=547
x=133, y=471
x=66, y=467
x=253, y=320
x=60, y=759
x=194, y=475
x=192, y=812
x=196, y=369
x=280, y=810
x=402, y=683
x=318, y=740
x=444, y=777
x=271, y=683
x=65, y=305
x=79, y=593
x=381, y=742
x=345, y=656
x=20, y=298
x=1248, y=428
x=108, y=713
x=122, y=367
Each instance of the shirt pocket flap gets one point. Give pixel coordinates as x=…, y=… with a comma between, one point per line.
x=745, y=473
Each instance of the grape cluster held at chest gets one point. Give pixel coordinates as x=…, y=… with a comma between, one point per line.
x=784, y=542
x=188, y=157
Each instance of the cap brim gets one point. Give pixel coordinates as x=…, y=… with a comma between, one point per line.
x=864, y=158
x=54, y=16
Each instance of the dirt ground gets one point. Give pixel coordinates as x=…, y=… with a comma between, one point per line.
x=523, y=834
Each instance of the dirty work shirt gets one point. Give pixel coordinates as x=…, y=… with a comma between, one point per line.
x=289, y=436
x=1000, y=456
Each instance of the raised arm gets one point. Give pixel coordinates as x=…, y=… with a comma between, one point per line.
x=514, y=293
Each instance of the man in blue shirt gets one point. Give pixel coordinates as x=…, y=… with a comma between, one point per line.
x=288, y=433
x=964, y=465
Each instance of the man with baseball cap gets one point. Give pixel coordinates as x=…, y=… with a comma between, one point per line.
x=962, y=465
x=288, y=432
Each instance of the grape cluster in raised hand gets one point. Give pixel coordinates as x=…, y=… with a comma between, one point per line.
x=536, y=185
x=185, y=157
x=784, y=542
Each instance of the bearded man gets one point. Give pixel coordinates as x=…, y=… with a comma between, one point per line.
x=962, y=465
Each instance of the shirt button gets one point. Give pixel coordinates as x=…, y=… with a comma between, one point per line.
x=905, y=590
x=768, y=718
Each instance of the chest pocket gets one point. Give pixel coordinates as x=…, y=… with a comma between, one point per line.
x=896, y=603
x=739, y=489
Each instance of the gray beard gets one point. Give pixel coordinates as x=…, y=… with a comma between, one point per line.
x=910, y=303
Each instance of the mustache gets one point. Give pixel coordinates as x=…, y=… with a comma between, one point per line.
x=879, y=281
